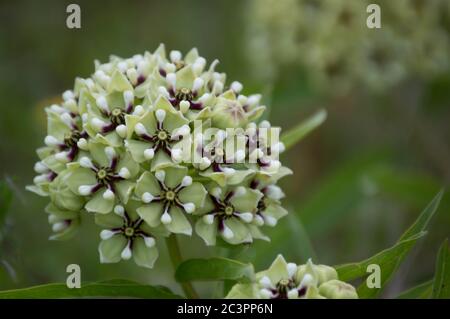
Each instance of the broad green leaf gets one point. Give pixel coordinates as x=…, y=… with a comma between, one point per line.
x=422, y=291
x=294, y=135
x=214, y=269
x=113, y=288
x=441, y=285
x=390, y=259
x=342, y=191
x=5, y=201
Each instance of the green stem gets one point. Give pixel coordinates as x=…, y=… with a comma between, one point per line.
x=175, y=257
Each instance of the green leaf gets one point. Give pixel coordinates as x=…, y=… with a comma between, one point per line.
x=422, y=291
x=294, y=135
x=389, y=259
x=424, y=218
x=214, y=269
x=441, y=285
x=6, y=196
x=112, y=288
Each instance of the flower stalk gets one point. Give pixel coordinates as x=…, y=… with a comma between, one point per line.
x=176, y=259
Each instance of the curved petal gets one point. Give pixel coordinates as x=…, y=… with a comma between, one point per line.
x=97, y=151
x=97, y=204
x=109, y=220
x=52, y=163
x=80, y=176
x=119, y=82
x=174, y=176
x=241, y=233
x=194, y=193
x=257, y=234
x=151, y=213
x=149, y=121
x=238, y=176
x=242, y=291
x=276, y=211
x=147, y=183
x=277, y=271
x=174, y=121
x=55, y=126
x=247, y=202
x=137, y=148
x=130, y=122
x=111, y=249
x=144, y=256
x=127, y=161
x=179, y=224
x=218, y=177
x=163, y=103
x=161, y=160
x=185, y=77
x=124, y=190
x=67, y=233
x=207, y=232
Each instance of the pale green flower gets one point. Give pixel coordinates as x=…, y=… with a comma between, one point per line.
x=290, y=281
x=169, y=196
x=64, y=222
x=216, y=161
x=65, y=139
x=61, y=194
x=236, y=110
x=269, y=209
x=229, y=213
x=159, y=136
x=105, y=178
x=126, y=235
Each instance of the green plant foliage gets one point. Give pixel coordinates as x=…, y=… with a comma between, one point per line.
x=296, y=134
x=111, y=288
x=389, y=259
x=422, y=291
x=214, y=269
x=6, y=196
x=341, y=191
x=441, y=284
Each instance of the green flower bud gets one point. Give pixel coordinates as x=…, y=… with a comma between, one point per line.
x=335, y=289
x=321, y=273
x=62, y=196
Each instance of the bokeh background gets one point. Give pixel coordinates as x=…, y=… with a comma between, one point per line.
x=359, y=180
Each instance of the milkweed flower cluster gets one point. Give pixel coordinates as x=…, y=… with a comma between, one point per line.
x=332, y=43
x=160, y=144
x=290, y=281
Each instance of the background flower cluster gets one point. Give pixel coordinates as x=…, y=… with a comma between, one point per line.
x=331, y=41
x=113, y=149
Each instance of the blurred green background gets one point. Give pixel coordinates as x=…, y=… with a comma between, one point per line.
x=359, y=180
